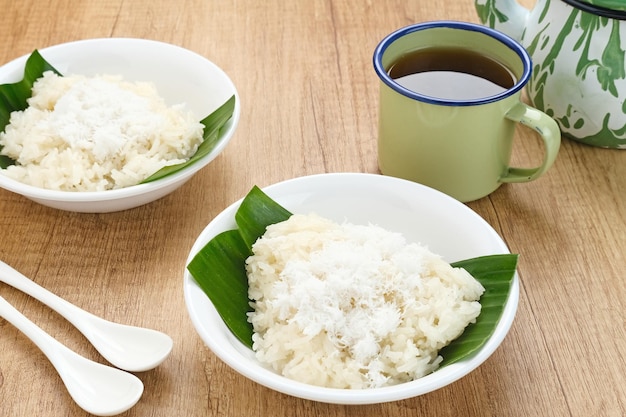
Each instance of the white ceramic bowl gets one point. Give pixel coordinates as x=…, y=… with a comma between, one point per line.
x=422, y=214
x=181, y=76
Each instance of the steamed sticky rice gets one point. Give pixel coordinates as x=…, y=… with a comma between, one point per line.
x=95, y=133
x=351, y=306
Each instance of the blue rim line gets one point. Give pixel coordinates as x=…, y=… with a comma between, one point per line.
x=501, y=37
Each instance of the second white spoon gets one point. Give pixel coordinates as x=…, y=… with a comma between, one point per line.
x=130, y=348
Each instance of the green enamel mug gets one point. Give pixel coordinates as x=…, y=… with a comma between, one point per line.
x=457, y=137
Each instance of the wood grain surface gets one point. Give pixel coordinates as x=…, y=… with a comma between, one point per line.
x=309, y=105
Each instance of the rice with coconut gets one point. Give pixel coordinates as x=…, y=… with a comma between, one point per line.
x=97, y=133
x=353, y=306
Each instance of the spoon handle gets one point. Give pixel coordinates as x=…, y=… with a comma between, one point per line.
x=69, y=311
x=46, y=343
x=96, y=388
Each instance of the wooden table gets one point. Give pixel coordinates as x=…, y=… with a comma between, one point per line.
x=309, y=105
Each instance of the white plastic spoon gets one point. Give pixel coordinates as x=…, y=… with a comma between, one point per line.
x=98, y=389
x=131, y=348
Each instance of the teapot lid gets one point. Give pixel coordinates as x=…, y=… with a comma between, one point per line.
x=615, y=9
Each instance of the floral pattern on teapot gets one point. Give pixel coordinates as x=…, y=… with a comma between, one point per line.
x=579, y=75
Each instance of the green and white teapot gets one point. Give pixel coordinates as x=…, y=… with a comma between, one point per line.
x=577, y=48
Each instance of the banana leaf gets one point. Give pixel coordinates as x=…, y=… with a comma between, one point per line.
x=14, y=97
x=219, y=267
x=219, y=270
x=495, y=273
x=226, y=284
x=213, y=125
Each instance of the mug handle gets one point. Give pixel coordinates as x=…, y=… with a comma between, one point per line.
x=549, y=131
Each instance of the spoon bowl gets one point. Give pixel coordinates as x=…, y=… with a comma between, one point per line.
x=131, y=348
x=98, y=389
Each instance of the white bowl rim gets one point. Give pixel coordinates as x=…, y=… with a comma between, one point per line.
x=34, y=192
x=428, y=383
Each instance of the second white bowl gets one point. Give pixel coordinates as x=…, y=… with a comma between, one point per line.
x=180, y=76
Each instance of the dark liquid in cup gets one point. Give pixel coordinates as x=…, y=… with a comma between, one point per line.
x=451, y=73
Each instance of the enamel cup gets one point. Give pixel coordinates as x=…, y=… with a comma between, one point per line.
x=460, y=147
